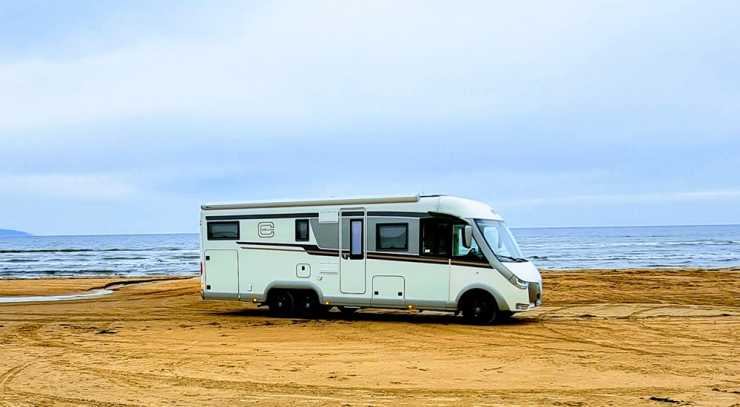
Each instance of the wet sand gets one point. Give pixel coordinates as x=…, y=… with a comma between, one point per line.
x=635, y=337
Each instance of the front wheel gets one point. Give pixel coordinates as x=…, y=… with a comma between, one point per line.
x=480, y=309
x=281, y=302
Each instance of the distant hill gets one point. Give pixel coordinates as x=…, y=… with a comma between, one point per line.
x=12, y=233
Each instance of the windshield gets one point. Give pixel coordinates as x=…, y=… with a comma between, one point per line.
x=500, y=240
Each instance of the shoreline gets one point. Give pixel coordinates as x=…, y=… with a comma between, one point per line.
x=65, y=285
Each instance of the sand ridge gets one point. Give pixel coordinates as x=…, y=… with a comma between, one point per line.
x=633, y=337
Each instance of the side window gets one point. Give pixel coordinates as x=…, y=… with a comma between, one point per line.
x=223, y=230
x=301, y=230
x=392, y=236
x=436, y=237
x=459, y=250
x=355, y=239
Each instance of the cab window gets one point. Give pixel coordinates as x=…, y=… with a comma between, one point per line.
x=436, y=237
x=459, y=250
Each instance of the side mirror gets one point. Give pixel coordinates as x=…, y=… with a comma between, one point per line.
x=467, y=236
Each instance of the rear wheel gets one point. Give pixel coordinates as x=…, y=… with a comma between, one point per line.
x=479, y=309
x=307, y=303
x=281, y=302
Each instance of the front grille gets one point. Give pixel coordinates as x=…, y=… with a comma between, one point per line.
x=535, y=293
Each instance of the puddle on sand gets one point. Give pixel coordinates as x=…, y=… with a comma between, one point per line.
x=49, y=298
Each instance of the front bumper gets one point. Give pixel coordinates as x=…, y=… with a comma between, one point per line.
x=535, y=297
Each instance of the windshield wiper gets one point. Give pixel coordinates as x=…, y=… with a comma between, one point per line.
x=512, y=259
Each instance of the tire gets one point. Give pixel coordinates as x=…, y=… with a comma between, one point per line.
x=281, y=302
x=307, y=303
x=480, y=309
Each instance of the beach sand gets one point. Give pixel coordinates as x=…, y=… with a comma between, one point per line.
x=634, y=337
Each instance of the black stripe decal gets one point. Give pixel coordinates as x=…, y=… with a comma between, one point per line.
x=413, y=259
x=277, y=249
x=295, y=245
x=311, y=249
x=317, y=251
x=265, y=216
x=398, y=214
x=419, y=259
x=328, y=253
x=471, y=264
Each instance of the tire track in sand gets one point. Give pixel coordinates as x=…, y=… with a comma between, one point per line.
x=672, y=332
x=547, y=324
x=7, y=377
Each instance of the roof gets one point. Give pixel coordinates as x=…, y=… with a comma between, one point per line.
x=446, y=204
x=315, y=202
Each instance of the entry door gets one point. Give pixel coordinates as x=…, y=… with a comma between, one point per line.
x=352, y=244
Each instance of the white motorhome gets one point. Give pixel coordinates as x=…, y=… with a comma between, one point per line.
x=425, y=252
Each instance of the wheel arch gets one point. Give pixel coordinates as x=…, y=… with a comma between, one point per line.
x=293, y=285
x=501, y=304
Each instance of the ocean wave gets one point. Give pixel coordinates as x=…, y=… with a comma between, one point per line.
x=123, y=258
x=67, y=273
x=19, y=261
x=187, y=257
x=46, y=250
x=62, y=272
x=607, y=245
x=76, y=250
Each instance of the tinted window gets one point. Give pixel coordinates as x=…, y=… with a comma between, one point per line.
x=355, y=239
x=301, y=230
x=436, y=237
x=392, y=236
x=223, y=230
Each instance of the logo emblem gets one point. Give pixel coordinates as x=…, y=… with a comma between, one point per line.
x=266, y=229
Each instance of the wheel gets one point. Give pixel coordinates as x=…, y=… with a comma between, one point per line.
x=281, y=302
x=480, y=309
x=307, y=303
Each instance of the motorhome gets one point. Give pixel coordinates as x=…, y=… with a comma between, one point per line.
x=418, y=252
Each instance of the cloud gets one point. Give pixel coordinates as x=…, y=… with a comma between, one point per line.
x=79, y=187
x=337, y=62
x=620, y=199
x=565, y=103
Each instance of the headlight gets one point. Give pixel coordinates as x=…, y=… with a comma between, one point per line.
x=519, y=282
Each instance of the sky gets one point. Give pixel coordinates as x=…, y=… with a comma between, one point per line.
x=125, y=116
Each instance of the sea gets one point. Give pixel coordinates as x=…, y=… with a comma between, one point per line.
x=716, y=246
